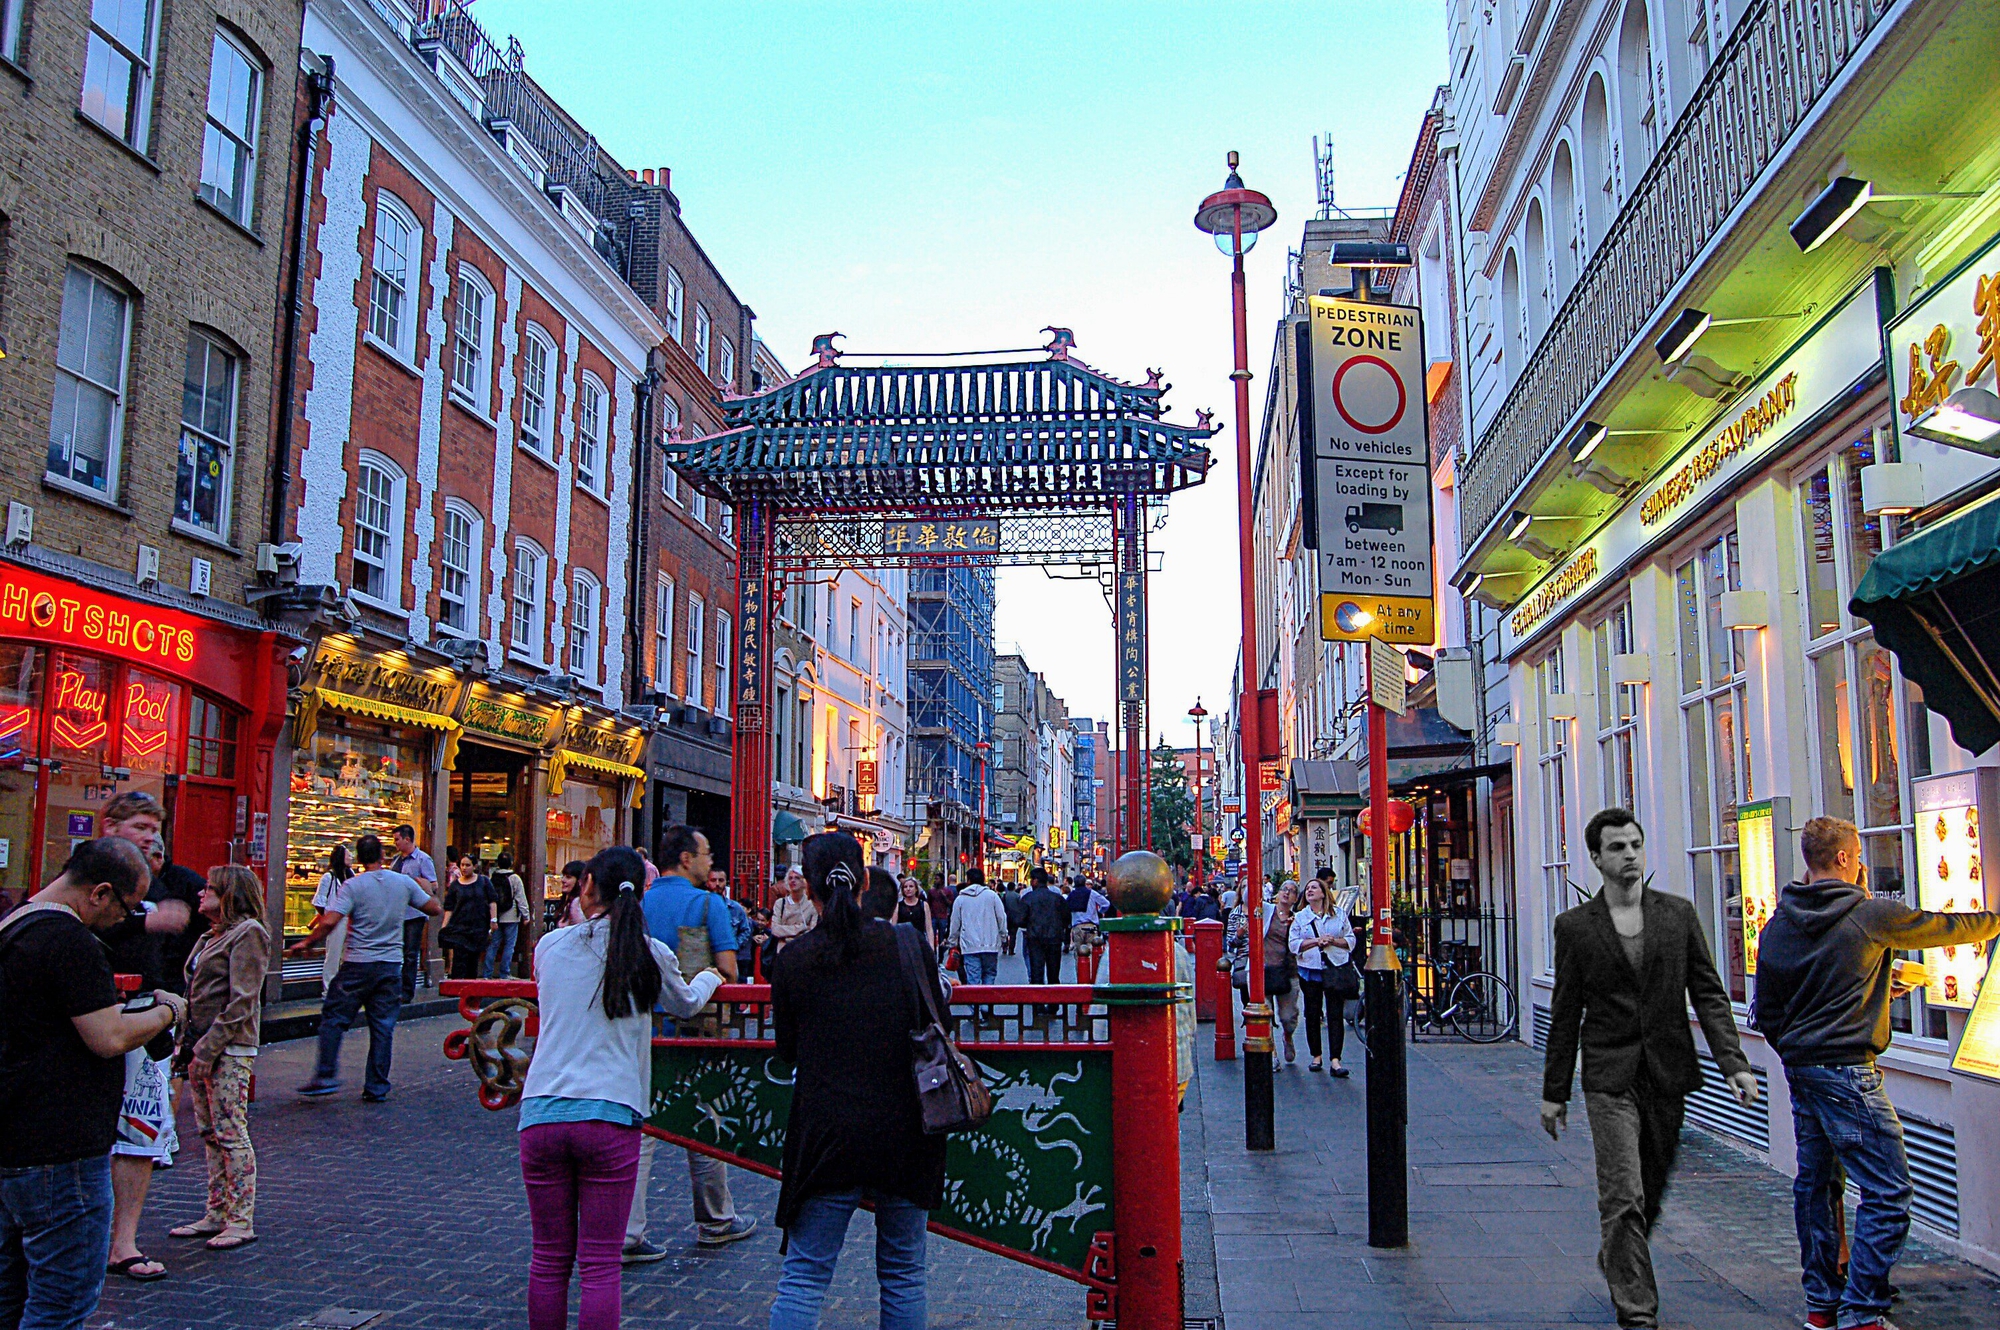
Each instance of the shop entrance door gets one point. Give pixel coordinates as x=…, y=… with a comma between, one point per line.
x=203, y=823
x=489, y=789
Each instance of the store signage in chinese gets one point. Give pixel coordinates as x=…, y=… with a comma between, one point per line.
x=67, y=612
x=867, y=778
x=750, y=606
x=1131, y=623
x=372, y=678
x=485, y=716
x=596, y=741
x=948, y=535
x=1927, y=370
x=1954, y=813
x=1772, y=407
x=1371, y=460
x=1845, y=348
x=1268, y=779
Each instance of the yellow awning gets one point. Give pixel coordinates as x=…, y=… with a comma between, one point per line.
x=368, y=706
x=604, y=764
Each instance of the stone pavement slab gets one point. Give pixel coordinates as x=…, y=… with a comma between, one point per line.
x=1503, y=1221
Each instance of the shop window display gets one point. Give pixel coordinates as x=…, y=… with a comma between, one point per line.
x=1870, y=729
x=1713, y=659
x=1617, y=712
x=349, y=778
x=582, y=820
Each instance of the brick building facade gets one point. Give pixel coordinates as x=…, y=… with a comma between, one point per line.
x=142, y=220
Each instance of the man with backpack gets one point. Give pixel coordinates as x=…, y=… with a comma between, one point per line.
x=694, y=924
x=512, y=895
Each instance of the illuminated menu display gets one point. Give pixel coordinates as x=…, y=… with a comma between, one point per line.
x=1979, y=1047
x=1952, y=872
x=1758, y=854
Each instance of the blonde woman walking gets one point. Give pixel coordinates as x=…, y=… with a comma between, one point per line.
x=225, y=982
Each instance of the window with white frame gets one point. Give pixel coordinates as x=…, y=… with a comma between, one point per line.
x=378, y=530
x=694, y=651
x=538, y=358
x=530, y=567
x=1617, y=711
x=398, y=242
x=854, y=632
x=676, y=299
x=118, y=67
x=10, y=28
x=583, y=627
x=229, y=141
x=725, y=362
x=1870, y=730
x=725, y=522
x=458, y=558
x=702, y=330
x=670, y=420
x=471, y=320
x=92, y=343
x=203, y=471
x=697, y=505
x=1553, y=762
x=663, y=635
x=722, y=645
x=1714, y=660
x=590, y=434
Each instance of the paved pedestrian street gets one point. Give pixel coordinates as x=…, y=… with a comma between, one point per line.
x=414, y=1209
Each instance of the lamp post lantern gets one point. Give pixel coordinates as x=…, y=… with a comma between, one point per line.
x=1234, y=215
x=1198, y=713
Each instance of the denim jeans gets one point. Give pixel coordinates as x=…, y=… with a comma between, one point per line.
x=55, y=1236
x=369, y=985
x=1842, y=1119
x=500, y=951
x=813, y=1246
x=981, y=967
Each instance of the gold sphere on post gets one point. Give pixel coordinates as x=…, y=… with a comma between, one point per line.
x=1140, y=882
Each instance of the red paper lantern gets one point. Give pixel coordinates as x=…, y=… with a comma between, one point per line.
x=1401, y=818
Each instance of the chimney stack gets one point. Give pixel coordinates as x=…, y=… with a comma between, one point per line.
x=649, y=175
x=666, y=174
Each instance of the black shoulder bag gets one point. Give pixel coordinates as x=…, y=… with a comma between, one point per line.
x=949, y=1092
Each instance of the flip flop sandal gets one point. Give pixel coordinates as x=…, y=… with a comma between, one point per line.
x=128, y=1268
x=230, y=1241
x=194, y=1230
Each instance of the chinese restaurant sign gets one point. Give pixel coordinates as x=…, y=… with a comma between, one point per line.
x=1131, y=626
x=1844, y=348
x=483, y=715
x=1035, y=1179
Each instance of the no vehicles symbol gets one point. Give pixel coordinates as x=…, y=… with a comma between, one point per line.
x=1367, y=394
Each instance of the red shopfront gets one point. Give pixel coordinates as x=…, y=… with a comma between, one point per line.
x=101, y=694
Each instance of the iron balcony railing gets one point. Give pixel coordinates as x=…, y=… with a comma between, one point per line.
x=1782, y=56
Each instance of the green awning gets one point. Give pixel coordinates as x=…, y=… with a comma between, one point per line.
x=787, y=829
x=1934, y=601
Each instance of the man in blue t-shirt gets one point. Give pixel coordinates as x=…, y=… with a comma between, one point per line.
x=679, y=899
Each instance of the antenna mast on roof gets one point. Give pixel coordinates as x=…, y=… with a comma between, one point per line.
x=1323, y=175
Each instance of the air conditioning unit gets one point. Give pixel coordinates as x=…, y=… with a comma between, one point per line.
x=20, y=523
x=148, y=570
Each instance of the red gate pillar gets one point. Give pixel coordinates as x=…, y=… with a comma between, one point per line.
x=750, y=766
x=1145, y=1122
x=1207, y=951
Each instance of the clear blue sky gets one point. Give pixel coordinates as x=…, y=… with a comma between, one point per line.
x=955, y=176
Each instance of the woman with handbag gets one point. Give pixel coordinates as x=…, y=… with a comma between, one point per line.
x=1323, y=941
x=846, y=1001
x=1280, y=974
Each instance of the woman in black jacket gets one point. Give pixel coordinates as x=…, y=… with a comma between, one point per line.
x=845, y=1003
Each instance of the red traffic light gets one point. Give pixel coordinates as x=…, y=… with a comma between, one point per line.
x=1401, y=818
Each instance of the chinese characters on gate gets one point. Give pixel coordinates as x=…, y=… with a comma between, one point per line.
x=942, y=535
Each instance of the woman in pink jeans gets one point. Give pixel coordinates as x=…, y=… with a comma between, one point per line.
x=588, y=1086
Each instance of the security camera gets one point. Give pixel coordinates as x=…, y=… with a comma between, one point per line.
x=350, y=610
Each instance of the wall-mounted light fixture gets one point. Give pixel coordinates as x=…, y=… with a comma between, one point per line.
x=1969, y=418
x=1844, y=196
x=1745, y=609
x=1688, y=326
x=1892, y=488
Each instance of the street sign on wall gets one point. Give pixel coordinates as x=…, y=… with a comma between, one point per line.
x=1371, y=472
x=1387, y=683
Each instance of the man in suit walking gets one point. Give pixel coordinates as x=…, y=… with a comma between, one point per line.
x=1627, y=963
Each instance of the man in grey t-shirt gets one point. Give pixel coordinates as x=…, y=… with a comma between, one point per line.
x=373, y=902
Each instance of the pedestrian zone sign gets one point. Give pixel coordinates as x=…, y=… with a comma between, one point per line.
x=1371, y=472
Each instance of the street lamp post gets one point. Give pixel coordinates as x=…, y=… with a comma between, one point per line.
x=1198, y=713
x=983, y=748
x=1234, y=215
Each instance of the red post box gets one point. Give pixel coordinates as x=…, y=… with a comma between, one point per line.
x=1207, y=938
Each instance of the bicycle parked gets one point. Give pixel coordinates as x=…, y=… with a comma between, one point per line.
x=1479, y=1005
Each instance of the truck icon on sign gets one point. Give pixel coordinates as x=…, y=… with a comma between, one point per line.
x=1375, y=517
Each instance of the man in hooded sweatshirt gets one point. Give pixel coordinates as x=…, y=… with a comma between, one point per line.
x=978, y=927
x=1824, y=980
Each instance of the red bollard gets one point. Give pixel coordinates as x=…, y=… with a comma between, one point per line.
x=1207, y=941
x=1086, y=966
x=1146, y=1155
x=1225, y=1019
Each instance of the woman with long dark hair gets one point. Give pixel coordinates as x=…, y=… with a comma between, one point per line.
x=588, y=1087
x=844, y=1004
x=336, y=873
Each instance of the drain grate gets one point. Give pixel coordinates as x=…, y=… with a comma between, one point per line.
x=337, y=1318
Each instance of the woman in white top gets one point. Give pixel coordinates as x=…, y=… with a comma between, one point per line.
x=1323, y=941
x=588, y=1087
x=336, y=873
